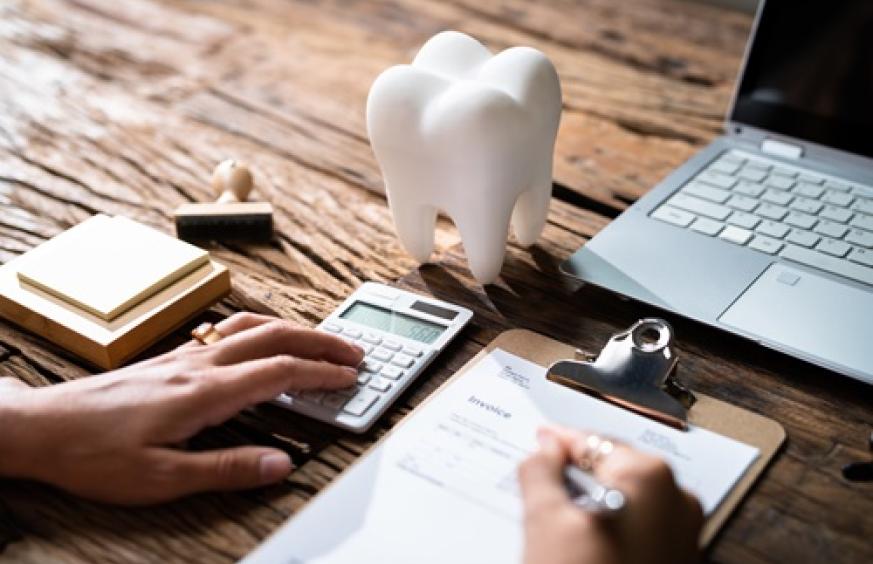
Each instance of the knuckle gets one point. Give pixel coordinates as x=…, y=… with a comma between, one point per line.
x=284, y=362
x=277, y=329
x=228, y=467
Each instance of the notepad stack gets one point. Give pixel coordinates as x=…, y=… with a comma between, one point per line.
x=109, y=287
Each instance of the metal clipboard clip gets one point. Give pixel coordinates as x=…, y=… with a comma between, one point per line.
x=635, y=370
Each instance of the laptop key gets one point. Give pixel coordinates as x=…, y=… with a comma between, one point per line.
x=835, y=198
x=810, y=178
x=840, y=267
x=753, y=174
x=707, y=226
x=772, y=211
x=698, y=206
x=744, y=220
x=864, y=205
x=777, y=197
x=725, y=166
x=804, y=238
x=765, y=244
x=780, y=182
x=862, y=221
x=801, y=220
x=860, y=237
x=773, y=229
x=717, y=179
x=749, y=188
x=833, y=247
x=731, y=158
x=832, y=185
x=707, y=192
x=674, y=216
x=808, y=190
x=743, y=203
x=831, y=229
x=834, y=213
x=736, y=235
x=806, y=205
x=862, y=256
x=782, y=171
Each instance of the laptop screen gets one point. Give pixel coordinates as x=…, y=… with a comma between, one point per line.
x=809, y=73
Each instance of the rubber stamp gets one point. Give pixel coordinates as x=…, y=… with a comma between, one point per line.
x=231, y=217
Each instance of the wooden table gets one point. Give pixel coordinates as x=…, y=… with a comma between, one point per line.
x=124, y=108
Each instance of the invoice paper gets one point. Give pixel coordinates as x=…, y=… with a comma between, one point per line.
x=443, y=487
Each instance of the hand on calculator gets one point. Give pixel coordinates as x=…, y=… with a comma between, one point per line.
x=114, y=437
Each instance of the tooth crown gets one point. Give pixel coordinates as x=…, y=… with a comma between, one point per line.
x=470, y=134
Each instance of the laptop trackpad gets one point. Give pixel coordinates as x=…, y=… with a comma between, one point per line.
x=813, y=315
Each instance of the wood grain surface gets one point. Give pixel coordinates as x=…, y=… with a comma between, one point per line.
x=125, y=107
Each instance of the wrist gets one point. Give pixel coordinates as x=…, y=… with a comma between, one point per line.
x=16, y=417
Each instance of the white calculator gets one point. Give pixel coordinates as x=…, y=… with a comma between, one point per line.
x=400, y=332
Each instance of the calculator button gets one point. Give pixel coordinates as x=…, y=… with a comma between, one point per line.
x=380, y=384
x=365, y=347
x=359, y=404
x=332, y=327
x=391, y=372
x=403, y=361
x=393, y=345
x=352, y=332
x=412, y=351
x=371, y=365
x=364, y=377
x=372, y=338
x=334, y=401
x=382, y=354
x=346, y=392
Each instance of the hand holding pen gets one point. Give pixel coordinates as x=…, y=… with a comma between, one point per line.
x=655, y=522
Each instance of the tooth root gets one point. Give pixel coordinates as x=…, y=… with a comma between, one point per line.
x=414, y=222
x=531, y=211
x=484, y=231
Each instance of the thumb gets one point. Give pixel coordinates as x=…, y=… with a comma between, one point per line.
x=541, y=475
x=224, y=469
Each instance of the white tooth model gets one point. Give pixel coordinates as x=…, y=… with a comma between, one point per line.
x=470, y=134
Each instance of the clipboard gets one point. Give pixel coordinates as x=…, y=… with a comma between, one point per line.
x=351, y=493
x=723, y=418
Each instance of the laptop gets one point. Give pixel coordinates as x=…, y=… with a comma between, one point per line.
x=768, y=232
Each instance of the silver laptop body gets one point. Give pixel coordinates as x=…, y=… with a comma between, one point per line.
x=768, y=232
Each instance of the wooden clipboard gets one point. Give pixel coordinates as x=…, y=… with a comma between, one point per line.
x=723, y=418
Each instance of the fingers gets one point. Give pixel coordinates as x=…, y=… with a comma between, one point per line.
x=278, y=337
x=236, y=323
x=179, y=473
x=226, y=390
x=541, y=475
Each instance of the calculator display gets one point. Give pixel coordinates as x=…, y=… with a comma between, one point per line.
x=393, y=322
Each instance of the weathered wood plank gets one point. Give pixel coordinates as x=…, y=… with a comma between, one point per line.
x=124, y=108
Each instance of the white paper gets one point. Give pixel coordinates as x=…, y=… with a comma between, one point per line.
x=443, y=488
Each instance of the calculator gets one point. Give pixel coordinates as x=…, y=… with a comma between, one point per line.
x=401, y=333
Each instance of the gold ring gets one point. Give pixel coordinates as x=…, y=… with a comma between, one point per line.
x=206, y=334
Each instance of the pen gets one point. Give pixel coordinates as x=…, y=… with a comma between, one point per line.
x=588, y=493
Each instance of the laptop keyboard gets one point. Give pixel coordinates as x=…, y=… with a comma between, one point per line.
x=814, y=219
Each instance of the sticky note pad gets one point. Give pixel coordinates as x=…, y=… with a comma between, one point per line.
x=106, y=265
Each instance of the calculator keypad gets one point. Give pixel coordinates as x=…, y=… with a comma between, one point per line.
x=386, y=361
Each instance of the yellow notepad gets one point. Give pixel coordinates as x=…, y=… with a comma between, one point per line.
x=106, y=265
